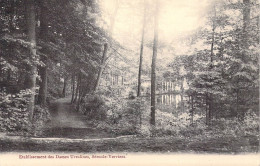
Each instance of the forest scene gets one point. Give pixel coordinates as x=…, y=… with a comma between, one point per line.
x=129, y=76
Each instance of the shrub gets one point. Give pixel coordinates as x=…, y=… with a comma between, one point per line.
x=13, y=111
x=93, y=106
x=236, y=127
x=109, y=112
x=128, y=119
x=14, y=116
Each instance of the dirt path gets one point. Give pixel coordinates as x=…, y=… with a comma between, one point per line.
x=67, y=123
x=63, y=115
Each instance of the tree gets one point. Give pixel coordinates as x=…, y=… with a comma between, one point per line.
x=32, y=68
x=209, y=96
x=104, y=57
x=43, y=69
x=243, y=64
x=153, y=67
x=102, y=66
x=141, y=54
x=222, y=75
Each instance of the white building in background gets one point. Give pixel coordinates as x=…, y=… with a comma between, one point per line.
x=171, y=92
x=168, y=92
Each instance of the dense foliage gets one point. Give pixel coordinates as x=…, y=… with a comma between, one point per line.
x=52, y=49
x=223, y=76
x=69, y=43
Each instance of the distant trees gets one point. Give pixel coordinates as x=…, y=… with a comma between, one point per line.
x=106, y=46
x=223, y=77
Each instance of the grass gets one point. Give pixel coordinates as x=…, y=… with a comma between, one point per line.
x=153, y=144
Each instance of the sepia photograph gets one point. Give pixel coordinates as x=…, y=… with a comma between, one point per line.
x=129, y=82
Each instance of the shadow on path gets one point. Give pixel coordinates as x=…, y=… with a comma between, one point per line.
x=67, y=123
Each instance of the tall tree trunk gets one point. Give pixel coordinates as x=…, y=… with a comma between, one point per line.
x=77, y=90
x=101, y=67
x=245, y=46
x=43, y=69
x=64, y=86
x=141, y=54
x=182, y=94
x=32, y=69
x=153, y=74
x=80, y=92
x=210, y=96
x=246, y=22
x=43, y=86
x=73, y=87
x=104, y=57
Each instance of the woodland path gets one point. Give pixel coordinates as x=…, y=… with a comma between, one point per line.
x=67, y=123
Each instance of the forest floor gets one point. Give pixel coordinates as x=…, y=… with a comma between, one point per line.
x=69, y=131
x=67, y=123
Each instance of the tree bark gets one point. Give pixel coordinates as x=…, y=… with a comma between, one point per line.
x=64, y=86
x=104, y=57
x=246, y=22
x=43, y=69
x=153, y=74
x=73, y=87
x=101, y=67
x=182, y=95
x=43, y=86
x=210, y=96
x=77, y=90
x=32, y=69
x=245, y=46
x=141, y=54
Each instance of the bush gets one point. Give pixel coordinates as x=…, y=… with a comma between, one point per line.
x=236, y=127
x=127, y=121
x=13, y=111
x=168, y=124
x=108, y=112
x=93, y=106
x=14, y=116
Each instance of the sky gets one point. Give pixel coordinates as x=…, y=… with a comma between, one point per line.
x=177, y=18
